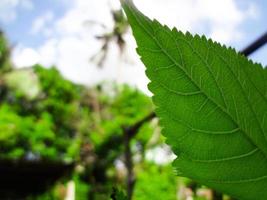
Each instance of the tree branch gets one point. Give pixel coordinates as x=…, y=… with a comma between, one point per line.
x=129, y=134
x=255, y=45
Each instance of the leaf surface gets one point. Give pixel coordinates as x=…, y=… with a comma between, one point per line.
x=212, y=105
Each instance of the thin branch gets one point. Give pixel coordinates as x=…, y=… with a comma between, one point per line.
x=133, y=130
x=255, y=45
x=130, y=180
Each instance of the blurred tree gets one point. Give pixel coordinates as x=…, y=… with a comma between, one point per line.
x=120, y=27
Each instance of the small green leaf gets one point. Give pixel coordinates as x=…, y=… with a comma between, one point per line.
x=212, y=105
x=118, y=195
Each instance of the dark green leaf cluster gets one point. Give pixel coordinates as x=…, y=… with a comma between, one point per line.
x=40, y=115
x=118, y=195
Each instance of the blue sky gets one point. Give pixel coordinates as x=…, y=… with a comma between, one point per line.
x=53, y=32
x=18, y=28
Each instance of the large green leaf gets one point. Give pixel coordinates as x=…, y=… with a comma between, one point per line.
x=212, y=106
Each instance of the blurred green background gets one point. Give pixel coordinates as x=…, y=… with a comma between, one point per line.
x=106, y=138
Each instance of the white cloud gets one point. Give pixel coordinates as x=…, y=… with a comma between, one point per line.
x=74, y=20
x=25, y=57
x=71, y=42
x=48, y=52
x=9, y=8
x=221, y=19
x=41, y=24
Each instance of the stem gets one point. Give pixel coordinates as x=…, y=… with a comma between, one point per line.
x=129, y=134
x=130, y=181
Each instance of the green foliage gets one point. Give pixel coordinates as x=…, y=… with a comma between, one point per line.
x=60, y=97
x=55, y=86
x=81, y=188
x=212, y=103
x=22, y=135
x=118, y=195
x=114, y=108
x=130, y=105
x=155, y=182
x=5, y=64
x=121, y=107
x=40, y=115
